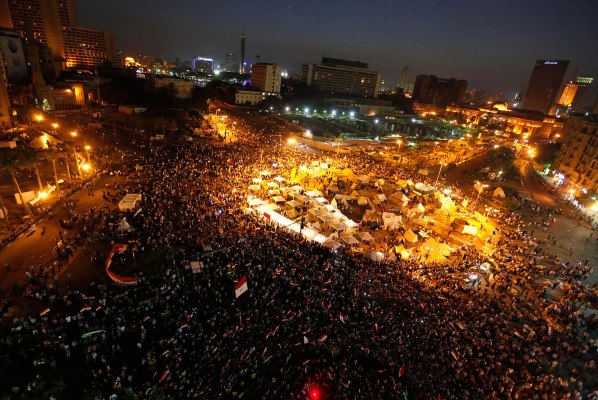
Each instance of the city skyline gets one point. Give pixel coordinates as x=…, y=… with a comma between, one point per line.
x=449, y=41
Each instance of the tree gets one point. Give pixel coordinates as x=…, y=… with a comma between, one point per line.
x=8, y=165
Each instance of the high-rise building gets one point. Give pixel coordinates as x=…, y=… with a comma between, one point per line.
x=242, y=61
x=342, y=77
x=578, y=157
x=442, y=92
x=544, y=85
x=203, y=65
x=404, y=78
x=231, y=63
x=266, y=77
x=54, y=24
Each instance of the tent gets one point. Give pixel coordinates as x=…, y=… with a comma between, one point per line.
x=278, y=199
x=265, y=173
x=365, y=236
x=382, y=197
x=410, y=236
x=128, y=202
x=499, y=192
x=350, y=223
x=124, y=226
x=322, y=200
x=363, y=201
x=279, y=179
x=254, y=188
x=257, y=180
x=311, y=193
x=274, y=192
x=337, y=226
x=349, y=239
x=325, y=218
x=272, y=185
x=423, y=172
x=470, y=230
x=254, y=201
x=294, y=203
x=331, y=244
x=376, y=256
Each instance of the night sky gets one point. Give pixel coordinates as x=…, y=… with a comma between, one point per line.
x=493, y=45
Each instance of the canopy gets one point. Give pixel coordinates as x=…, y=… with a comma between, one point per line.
x=423, y=172
x=337, y=226
x=382, y=197
x=365, y=236
x=273, y=185
x=331, y=244
x=470, y=230
x=362, y=201
x=254, y=188
x=288, y=224
x=349, y=239
x=274, y=192
x=322, y=200
x=294, y=203
x=265, y=173
x=254, y=201
x=278, y=199
x=124, y=226
x=257, y=180
x=310, y=193
x=279, y=179
x=128, y=202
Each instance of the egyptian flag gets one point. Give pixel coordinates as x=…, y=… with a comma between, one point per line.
x=137, y=212
x=44, y=311
x=241, y=286
x=164, y=375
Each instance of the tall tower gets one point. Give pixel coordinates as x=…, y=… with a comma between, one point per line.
x=242, y=62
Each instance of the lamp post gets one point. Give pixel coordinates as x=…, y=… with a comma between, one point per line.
x=87, y=148
x=438, y=177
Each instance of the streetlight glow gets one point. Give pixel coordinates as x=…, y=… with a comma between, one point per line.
x=74, y=133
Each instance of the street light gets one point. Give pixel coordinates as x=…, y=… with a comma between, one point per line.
x=438, y=177
x=74, y=133
x=39, y=117
x=55, y=125
x=292, y=141
x=87, y=148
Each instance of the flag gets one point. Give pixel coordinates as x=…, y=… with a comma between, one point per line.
x=267, y=216
x=305, y=340
x=323, y=338
x=86, y=308
x=44, y=311
x=241, y=286
x=342, y=318
x=164, y=375
x=137, y=212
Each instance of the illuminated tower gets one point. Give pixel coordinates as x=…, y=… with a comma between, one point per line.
x=544, y=85
x=242, y=63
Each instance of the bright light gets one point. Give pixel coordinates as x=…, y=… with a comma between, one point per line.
x=87, y=147
x=287, y=109
x=399, y=141
x=352, y=114
x=303, y=168
x=55, y=125
x=496, y=146
x=292, y=141
x=333, y=112
x=39, y=117
x=376, y=121
x=74, y=133
x=43, y=195
x=85, y=167
x=314, y=393
x=305, y=110
x=447, y=191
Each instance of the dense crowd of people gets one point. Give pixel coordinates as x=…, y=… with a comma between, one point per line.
x=312, y=320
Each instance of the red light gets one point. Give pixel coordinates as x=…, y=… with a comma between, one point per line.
x=315, y=394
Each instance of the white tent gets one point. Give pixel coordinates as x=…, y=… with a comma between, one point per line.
x=124, y=226
x=257, y=180
x=272, y=185
x=376, y=256
x=423, y=172
x=499, y=192
x=128, y=202
x=365, y=236
x=391, y=221
x=254, y=188
x=294, y=203
x=278, y=199
x=279, y=179
x=254, y=201
x=362, y=201
x=382, y=197
x=331, y=244
x=310, y=193
x=265, y=173
x=274, y=192
x=470, y=230
x=337, y=226
x=322, y=200
x=349, y=239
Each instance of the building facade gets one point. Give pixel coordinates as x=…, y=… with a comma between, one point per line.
x=251, y=97
x=54, y=24
x=544, y=84
x=342, y=77
x=266, y=77
x=442, y=92
x=578, y=158
x=5, y=108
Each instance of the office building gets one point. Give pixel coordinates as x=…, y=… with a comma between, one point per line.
x=203, y=65
x=577, y=160
x=439, y=92
x=231, y=63
x=266, y=77
x=544, y=84
x=53, y=24
x=342, y=77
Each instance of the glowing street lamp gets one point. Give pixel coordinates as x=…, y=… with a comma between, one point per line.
x=55, y=125
x=39, y=117
x=43, y=195
x=85, y=167
x=399, y=142
x=292, y=141
x=87, y=149
x=74, y=133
